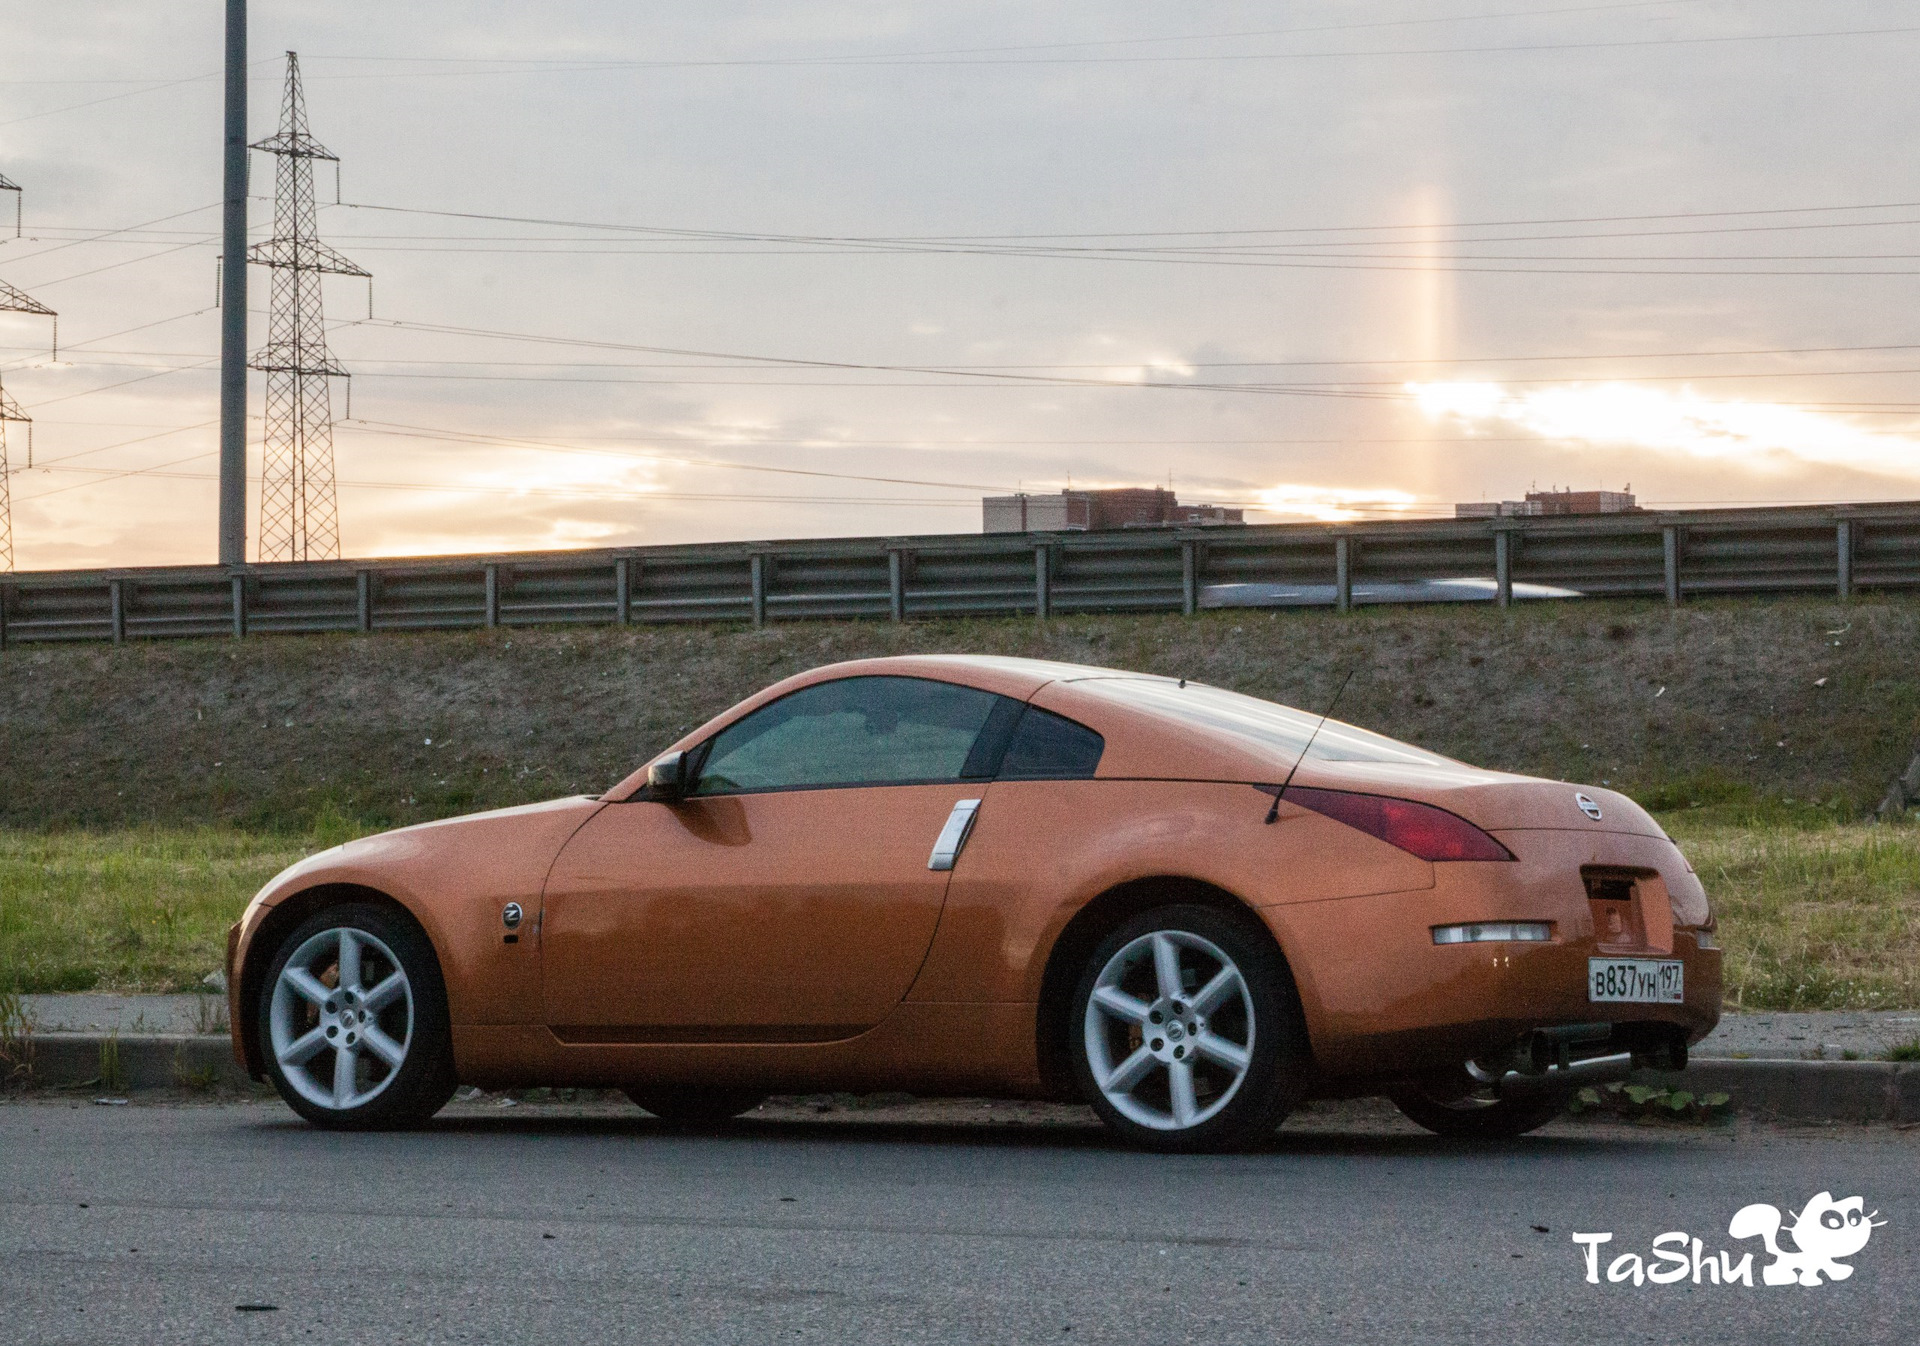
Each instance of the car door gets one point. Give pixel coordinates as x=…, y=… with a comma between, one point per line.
x=792, y=895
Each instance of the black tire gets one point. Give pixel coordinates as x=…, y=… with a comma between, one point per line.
x=394, y=1096
x=1262, y=1021
x=685, y=1105
x=1452, y=1106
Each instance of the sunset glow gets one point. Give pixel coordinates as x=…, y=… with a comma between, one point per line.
x=1335, y=504
x=1759, y=435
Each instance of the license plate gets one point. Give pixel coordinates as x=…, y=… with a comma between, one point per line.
x=1637, y=981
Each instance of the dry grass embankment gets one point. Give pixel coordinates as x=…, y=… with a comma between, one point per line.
x=1719, y=704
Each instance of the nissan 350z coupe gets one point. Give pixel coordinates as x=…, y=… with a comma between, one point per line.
x=968, y=875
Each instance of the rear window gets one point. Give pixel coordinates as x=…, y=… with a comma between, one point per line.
x=1265, y=722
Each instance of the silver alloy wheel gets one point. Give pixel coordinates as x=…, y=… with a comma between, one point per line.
x=1169, y=1030
x=341, y=1019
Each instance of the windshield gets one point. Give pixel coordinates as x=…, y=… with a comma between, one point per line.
x=1265, y=722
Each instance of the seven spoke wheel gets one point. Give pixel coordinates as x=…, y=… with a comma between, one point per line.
x=1186, y=1031
x=353, y=1020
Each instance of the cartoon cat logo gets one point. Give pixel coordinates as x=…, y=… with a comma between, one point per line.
x=1823, y=1231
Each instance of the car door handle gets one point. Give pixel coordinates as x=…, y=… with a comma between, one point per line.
x=946, y=848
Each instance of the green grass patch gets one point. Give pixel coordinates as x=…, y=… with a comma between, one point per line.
x=128, y=910
x=1814, y=915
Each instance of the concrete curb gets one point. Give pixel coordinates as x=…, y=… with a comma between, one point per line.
x=1804, y=1091
x=1809, y=1091
x=114, y=1065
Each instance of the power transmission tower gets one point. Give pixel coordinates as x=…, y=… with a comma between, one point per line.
x=12, y=301
x=299, y=518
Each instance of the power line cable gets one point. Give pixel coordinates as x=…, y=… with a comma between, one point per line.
x=591, y=66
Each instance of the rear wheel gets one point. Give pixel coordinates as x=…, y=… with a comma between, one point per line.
x=354, y=1021
x=686, y=1106
x=1461, y=1105
x=1187, y=1033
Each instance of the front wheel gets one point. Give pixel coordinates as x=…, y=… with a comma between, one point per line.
x=1187, y=1033
x=354, y=1020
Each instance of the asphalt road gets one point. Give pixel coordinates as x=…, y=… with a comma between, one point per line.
x=960, y=1223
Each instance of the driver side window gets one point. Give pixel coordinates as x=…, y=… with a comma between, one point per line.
x=852, y=731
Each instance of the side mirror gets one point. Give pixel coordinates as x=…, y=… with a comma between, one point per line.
x=667, y=778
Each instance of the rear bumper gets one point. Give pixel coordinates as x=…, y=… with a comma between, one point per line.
x=1383, y=1000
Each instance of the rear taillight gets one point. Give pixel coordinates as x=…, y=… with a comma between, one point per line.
x=1419, y=829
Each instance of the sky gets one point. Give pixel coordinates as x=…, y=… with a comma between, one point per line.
x=650, y=273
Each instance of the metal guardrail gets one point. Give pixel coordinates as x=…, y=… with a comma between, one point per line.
x=1672, y=555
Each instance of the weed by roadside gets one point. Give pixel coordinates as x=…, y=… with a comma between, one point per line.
x=1643, y=1102
x=1905, y=1051
x=16, y=1042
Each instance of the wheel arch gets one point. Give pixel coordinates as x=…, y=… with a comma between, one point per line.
x=280, y=920
x=1091, y=924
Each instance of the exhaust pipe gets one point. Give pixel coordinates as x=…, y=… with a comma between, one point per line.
x=1594, y=1070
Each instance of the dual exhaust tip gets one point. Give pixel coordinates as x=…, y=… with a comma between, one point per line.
x=1579, y=1056
x=1521, y=1084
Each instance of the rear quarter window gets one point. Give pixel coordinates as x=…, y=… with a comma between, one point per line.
x=1046, y=746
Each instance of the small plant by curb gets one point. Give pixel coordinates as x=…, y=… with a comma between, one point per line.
x=1644, y=1102
x=112, y=1077
x=1905, y=1051
x=16, y=1042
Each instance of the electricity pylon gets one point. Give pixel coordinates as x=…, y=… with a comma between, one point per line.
x=12, y=301
x=299, y=517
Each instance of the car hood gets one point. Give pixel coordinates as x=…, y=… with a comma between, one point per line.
x=394, y=860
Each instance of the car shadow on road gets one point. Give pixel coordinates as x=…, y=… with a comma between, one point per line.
x=1088, y=1136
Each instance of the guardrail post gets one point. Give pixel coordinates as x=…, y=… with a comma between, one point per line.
x=493, y=596
x=363, y=600
x=1670, y=557
x=896, y=584
x=1343, y=574
x=1843, y=556
x=759, y=577
x=1189, y=578
x=239, y=607
x=1503, y=567
x=623, y=590
x=117, y=608
x=1042, y=584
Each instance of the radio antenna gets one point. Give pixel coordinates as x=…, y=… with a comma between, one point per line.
x=1273, y=814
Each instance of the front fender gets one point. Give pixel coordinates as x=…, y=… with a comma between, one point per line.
x=454, y=877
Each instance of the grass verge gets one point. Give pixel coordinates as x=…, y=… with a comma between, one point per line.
x=1814, y=914
x=143, y=910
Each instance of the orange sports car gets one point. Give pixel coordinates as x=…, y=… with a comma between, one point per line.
x=1192, y=909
